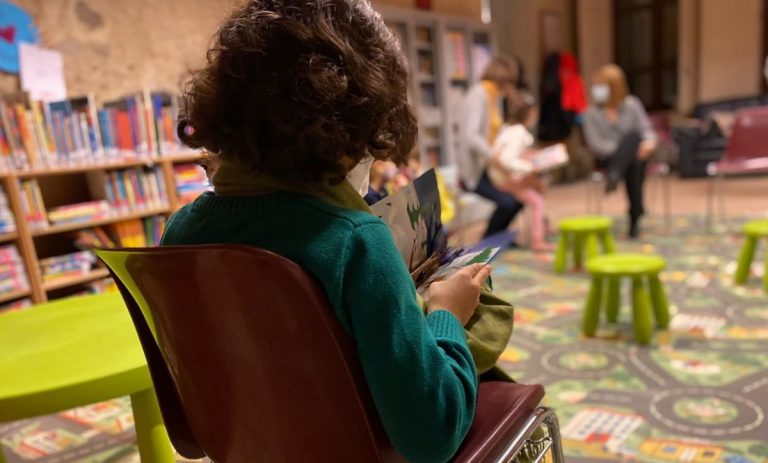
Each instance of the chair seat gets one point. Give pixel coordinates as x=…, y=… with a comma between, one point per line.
x=625, y=265
x=752, y=166
x=68, y=353
x=756, y=228
x=502, y=409
x=585, y=224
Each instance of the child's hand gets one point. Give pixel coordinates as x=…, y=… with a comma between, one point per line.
x=460, y=293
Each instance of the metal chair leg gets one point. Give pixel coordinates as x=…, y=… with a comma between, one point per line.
x=535, y=449
x=711, y=172
x=666, y=198
x=720, y=180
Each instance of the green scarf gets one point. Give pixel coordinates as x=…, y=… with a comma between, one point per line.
x=488, y=330
x=230, y=180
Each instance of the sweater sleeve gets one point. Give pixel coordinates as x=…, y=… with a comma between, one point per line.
x=644, y=127
x=473, y=121
x=597, y=141
x=419, y=369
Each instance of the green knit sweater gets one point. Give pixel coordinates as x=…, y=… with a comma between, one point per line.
x=419, y=370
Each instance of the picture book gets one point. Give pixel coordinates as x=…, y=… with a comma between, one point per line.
x=413, y=216
x=549, y=158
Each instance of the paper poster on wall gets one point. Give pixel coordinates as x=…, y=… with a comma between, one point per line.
x=16, y=27
x=42, y=73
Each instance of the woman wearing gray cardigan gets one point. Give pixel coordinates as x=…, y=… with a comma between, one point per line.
x=618, y=131
x=480, y=118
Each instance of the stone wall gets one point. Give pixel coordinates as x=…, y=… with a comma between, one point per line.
x=112, y=48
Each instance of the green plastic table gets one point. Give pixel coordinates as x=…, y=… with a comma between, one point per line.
x=753, y=231
x=74, y=352
x=612, y=268
x=582, y=234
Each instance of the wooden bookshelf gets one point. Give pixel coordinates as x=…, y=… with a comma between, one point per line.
x=34, y=244
x=53, y=229
x=11, y=295
x=58, y=283
x=10, y=236
x=446, y=56
x=113, y=165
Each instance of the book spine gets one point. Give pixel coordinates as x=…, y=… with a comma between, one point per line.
x=68, y=138
x=25, y=136
x=89, y=153
x=95, y=127
x=48, y=118
x=43, y=137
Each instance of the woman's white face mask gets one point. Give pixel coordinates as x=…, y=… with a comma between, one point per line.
x=360, y=175
x=600, y=93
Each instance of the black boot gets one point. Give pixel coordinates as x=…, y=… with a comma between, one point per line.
x=611, y=182
x=634, y=227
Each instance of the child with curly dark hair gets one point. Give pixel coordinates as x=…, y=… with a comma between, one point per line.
x=297, y=99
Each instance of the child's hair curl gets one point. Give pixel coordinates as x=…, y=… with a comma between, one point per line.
x=301, y=88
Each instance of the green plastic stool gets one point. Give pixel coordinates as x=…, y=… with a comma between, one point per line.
x=753, y=230
x=74, y=352
x=610, y=269
x=582, y=235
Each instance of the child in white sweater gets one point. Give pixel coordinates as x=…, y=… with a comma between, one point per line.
x=511, y=170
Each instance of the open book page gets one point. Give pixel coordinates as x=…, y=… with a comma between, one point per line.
x=548, y=158
x=413, y=216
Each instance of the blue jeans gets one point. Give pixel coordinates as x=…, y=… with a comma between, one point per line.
x=507, y=206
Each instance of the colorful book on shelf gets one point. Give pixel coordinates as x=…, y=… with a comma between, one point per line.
x=76, y=131
x=7, y=221
x=129, y=233
x=13, y=276
x=191, y=181
x=80, y=212
x=67, y=265
x=13, y=137
x=32, y=204
x=130, y=190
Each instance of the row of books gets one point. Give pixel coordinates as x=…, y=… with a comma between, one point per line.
x=67, y=265
x=130, y=233
x=77, y=131
x=7, y=222
x=191, y=181
x=38, y=218
x=13, y=276
x=130, y=190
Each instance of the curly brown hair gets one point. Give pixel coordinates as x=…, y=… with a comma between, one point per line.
x=295, y=87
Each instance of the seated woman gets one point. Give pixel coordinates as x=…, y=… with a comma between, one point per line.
x=618, y=130
x=297, y=99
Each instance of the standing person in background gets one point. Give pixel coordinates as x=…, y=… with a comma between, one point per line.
x=618, y=131
x=480, y=120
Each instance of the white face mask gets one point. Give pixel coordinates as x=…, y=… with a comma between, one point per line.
x=360, y=175
x=600, y=93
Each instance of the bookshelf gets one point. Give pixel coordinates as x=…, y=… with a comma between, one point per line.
x=75, y=176
x=35, y=245
x=446, y=55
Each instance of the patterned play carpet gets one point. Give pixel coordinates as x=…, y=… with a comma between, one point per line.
x=699, y=393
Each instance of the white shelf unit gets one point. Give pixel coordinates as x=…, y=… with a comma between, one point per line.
x=446, y=55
